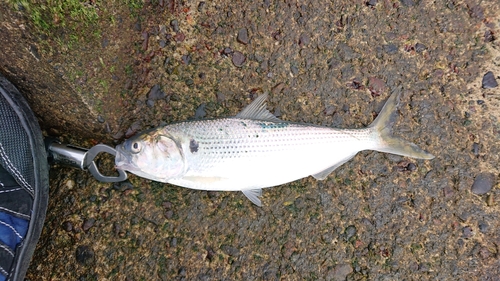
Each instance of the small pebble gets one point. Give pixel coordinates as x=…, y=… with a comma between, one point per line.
x=179, y=37
x=329, y=110
x=376, y=86
x=278, y=88
x=200, y=111
x=189, y=82
x=339, y=272
x=156, y=93
x=84, y=255
x=122, y=186
x=390, y=48
x=201, y=6
x=304, y=39
x=483, y=227
x=67, y=226
x=407, y=3
x=475, y=148
x=490, y=201
x=220, y=97
x=238, y=59
x=88, y=223
x=350, y=231
x=169, y=214
x=175, y=25
x=483, y=183
x=145, y=37
x=210, y=253
x=230, y=250
x=448, y=191
x=186, y=59
x=489, y=81
x=182, y=271
x=227, y=51
x=467, y=232
x=419, y=47
x=371, y=3
x=70, y=184
x=242, y=36
x=488, y=36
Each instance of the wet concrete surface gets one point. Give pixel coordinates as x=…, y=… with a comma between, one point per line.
x=377, y=217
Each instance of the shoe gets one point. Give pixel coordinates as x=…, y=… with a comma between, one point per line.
x=24, y=183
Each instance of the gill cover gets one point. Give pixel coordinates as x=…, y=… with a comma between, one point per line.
x=151, y=155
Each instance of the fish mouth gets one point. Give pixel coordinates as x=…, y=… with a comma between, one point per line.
x=122, y=161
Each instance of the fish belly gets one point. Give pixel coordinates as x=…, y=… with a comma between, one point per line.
x=240, y=154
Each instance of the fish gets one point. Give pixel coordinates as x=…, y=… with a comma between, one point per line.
x=254, y=150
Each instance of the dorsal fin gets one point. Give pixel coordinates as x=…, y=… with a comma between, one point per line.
x=257, y=111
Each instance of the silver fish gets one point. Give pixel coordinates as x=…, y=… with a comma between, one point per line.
x=254, y=150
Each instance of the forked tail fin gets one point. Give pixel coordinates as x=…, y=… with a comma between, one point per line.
x=382, y=126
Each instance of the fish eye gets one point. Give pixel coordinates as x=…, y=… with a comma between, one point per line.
x=135, y=147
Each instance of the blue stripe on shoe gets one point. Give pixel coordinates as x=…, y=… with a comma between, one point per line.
x=12, y=230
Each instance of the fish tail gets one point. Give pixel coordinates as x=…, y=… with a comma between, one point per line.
x=382, y=126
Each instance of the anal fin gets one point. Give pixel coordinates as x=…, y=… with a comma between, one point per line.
x=253, y=195
x=323, y=174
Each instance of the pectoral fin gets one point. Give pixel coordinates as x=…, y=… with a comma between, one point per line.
x=253, y=195
x=323, y=174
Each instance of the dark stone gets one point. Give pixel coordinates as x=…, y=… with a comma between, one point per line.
x=489, y=81
x=189, y=82
x=238, y=59
x=488, y=36
x=419, y=47
x=242, y=36
x=304, y=39
x=67, y=226
x=227, y=51
x=371, y=3
x=200, y=111
x=201, y=6
x=88, y=223
x=467, y=232
x=175, y=25
x=483, y=227
x=475, y=149
x=483, y=183
x=193, y=146
x=339, y=272
x=156, y=93
x=350, y=232
x=186, y=59
x=409, y=3
x=390, y=48
x=230, y=250
x=169, y=214
x=84, y=255
x=376, y=86
x=210, y=253
x=179, y=37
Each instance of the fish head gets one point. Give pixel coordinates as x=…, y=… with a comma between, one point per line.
x=152, y=155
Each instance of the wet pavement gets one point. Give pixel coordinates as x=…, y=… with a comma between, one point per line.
x=377, y=217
